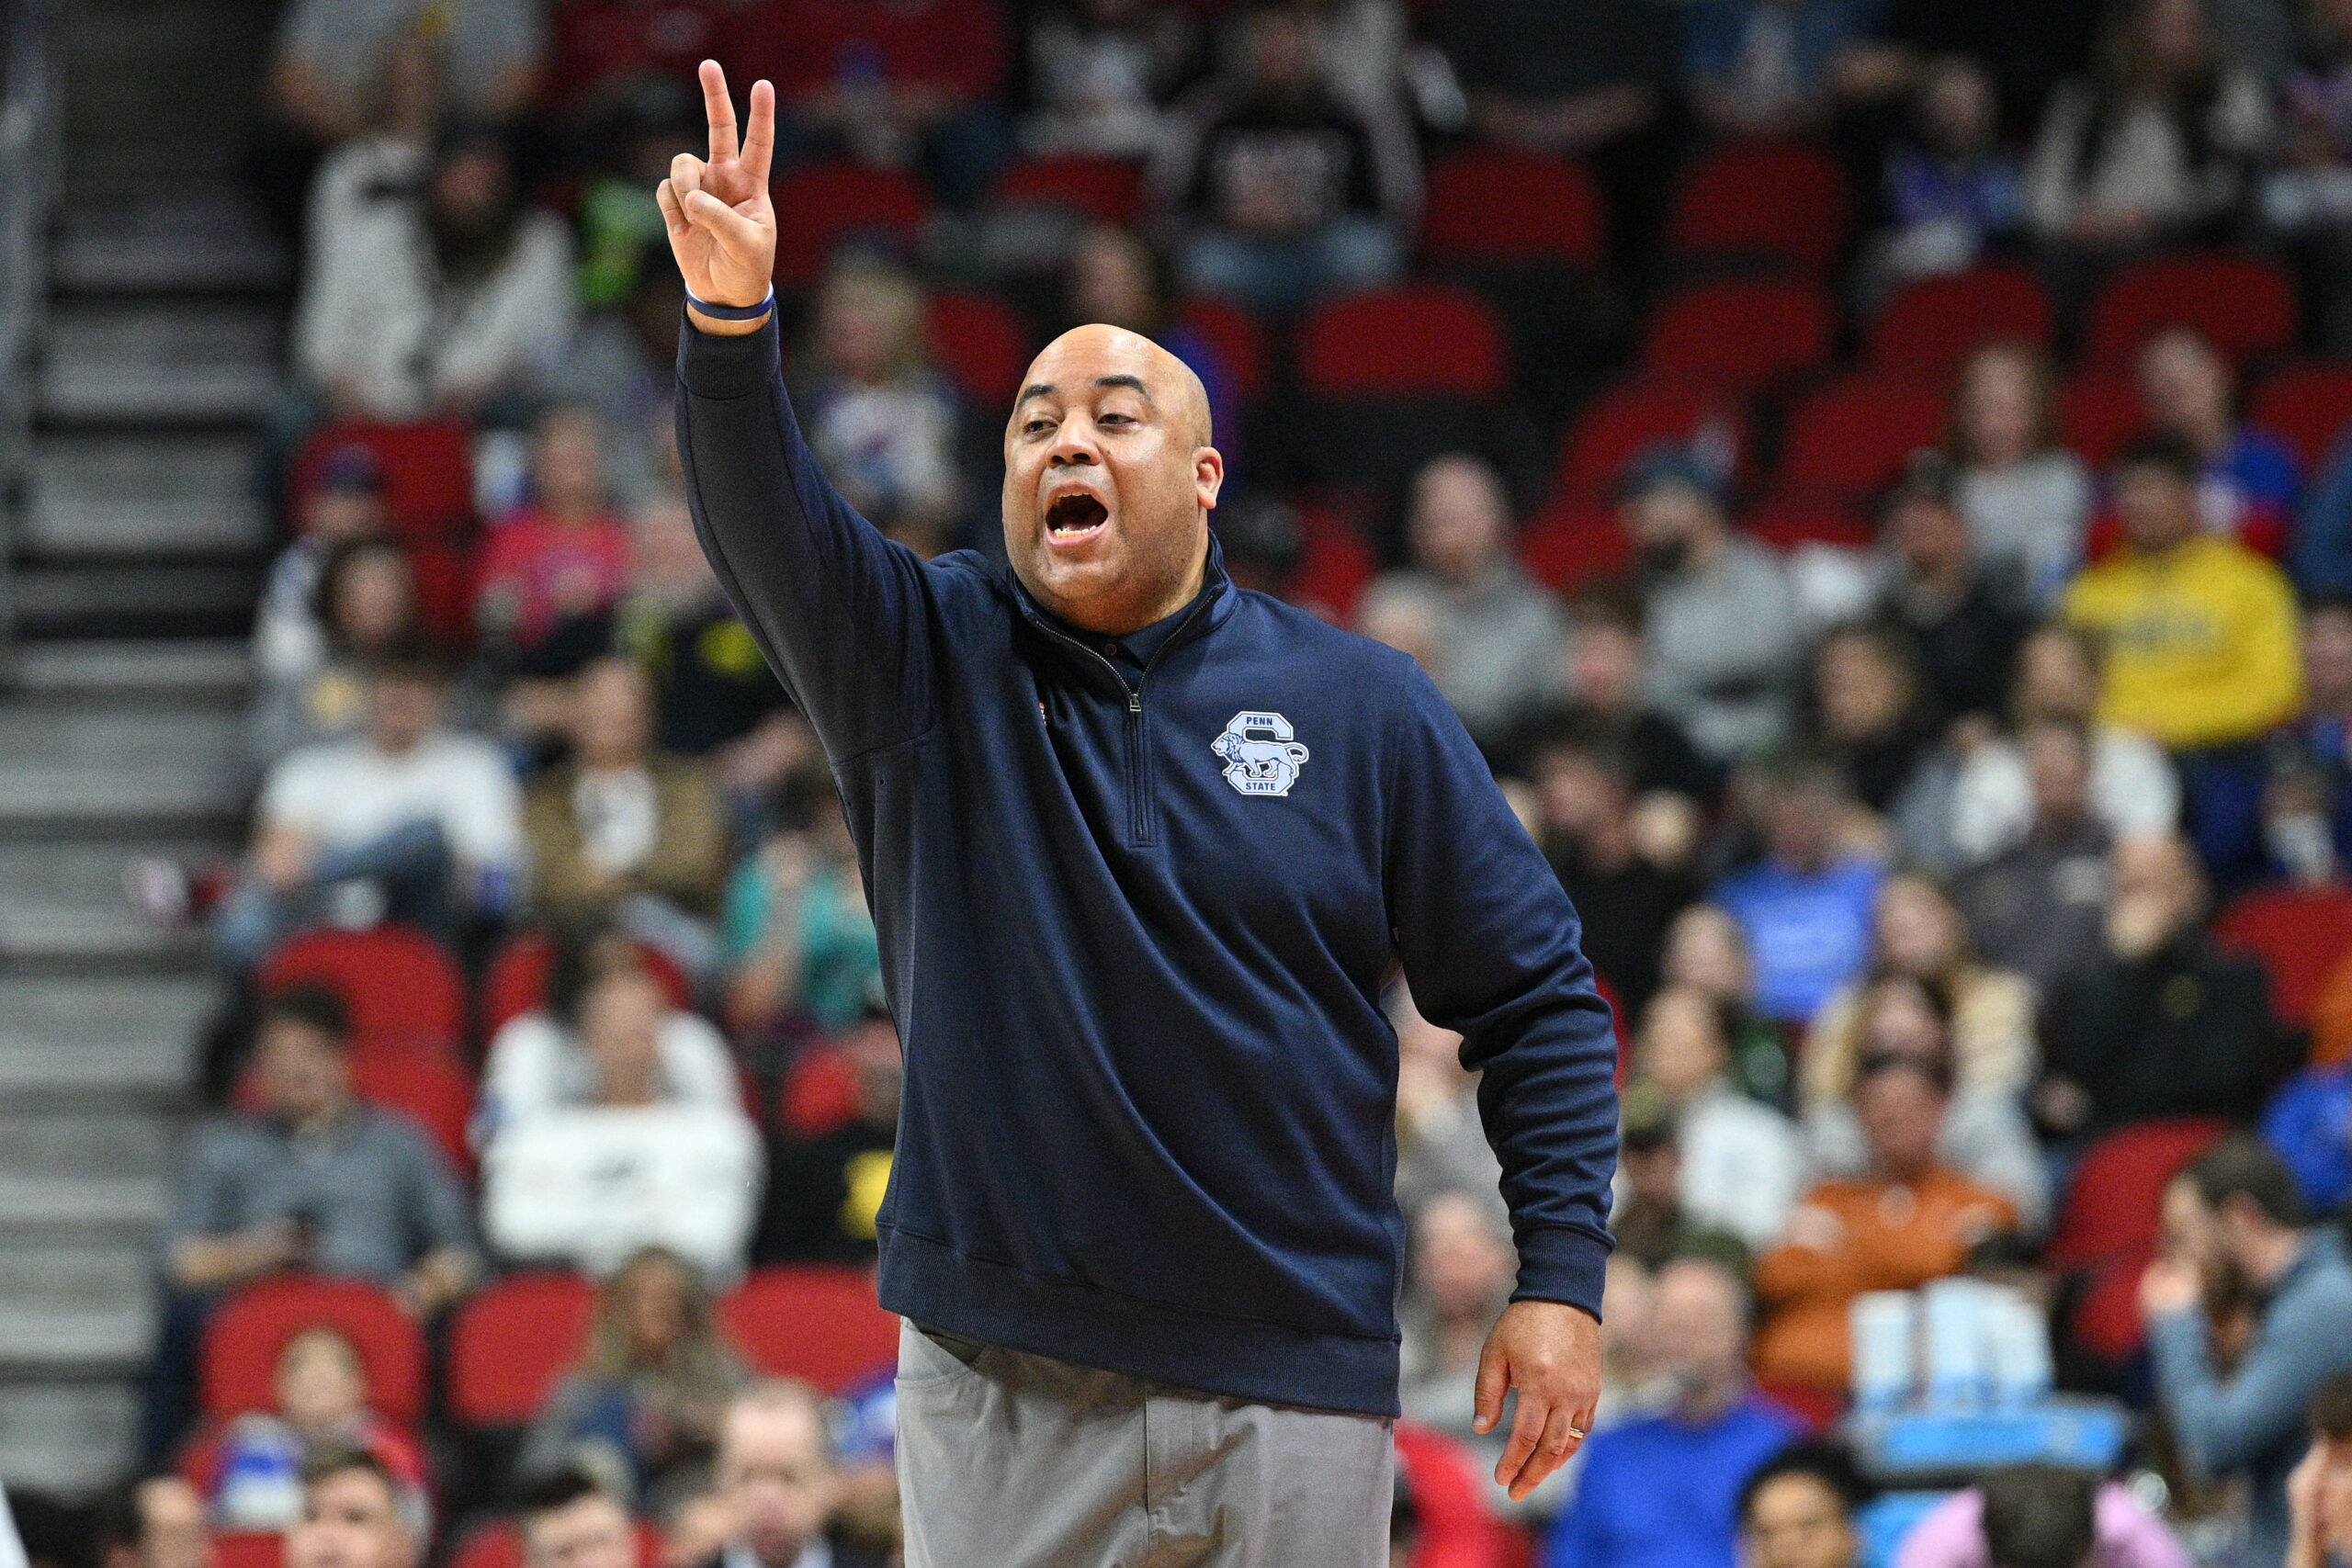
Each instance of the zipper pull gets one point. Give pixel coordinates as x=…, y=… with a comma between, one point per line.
x=1135, y=700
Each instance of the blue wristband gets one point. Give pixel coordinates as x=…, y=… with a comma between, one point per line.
x=733, y=312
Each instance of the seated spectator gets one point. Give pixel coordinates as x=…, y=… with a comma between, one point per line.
x=2308, y=1125
x=1699, y=1451
x=2148, y=149
x=1602, y=677
x=775, y=1475
x=1742, y=1165
x=252, y=1472
x=646, y=1397
x=1441, y=1141
x=1648, y=1218
x=1719, y=626
x=1871, y=714
x=2040, y=1515
x=344, y=502
x=1764, y=68
x=2161, y=1022
x=542, y=1061
x=405, y=822
x=2249, y=485
x=1594, y=835
x=357, y=1514
x=824, y=1191
x=364, y=607
x=2319, y=1493
x=646, y=1157
x=1964, y=628
x=156, y=1521
x=2305, y=200
x=311, y=1179
x=2039, y=907
x=618, y=831
x=1908, y=1220
x=567, y=1520
x=1952, y=188
x=1113, y=277
x=1274, y=187
x=1706, y=950
x=1799, y=1510
x=1984, y=1137
x=894, y=86
x=2132, y=790
x=445, y=301
x=1498, y=634
x=1805, y=906
x=621, y=363
x=563, y=558
x=715, y=697
x=335, y=61
x=1917, y=933
x=2027, y=499
x=2234, y=1222
x=798, y=937
x=2307, y=796
x=878, y=415
x=1099, y=72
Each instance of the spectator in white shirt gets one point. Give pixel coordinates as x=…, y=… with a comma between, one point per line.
x=1742, y=1167
x=406, y=821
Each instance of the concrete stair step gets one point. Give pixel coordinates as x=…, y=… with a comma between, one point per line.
x=61, y=903
x=167, y=240
x=159, y=362
x=134, y=495
x=81, y=1304
x=207, y=670
x=111, y=600
x=65, y=1435
x=62, y=765
x=112, y=1042
x=121, y=1145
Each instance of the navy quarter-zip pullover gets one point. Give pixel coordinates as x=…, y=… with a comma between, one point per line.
x=1136, y=917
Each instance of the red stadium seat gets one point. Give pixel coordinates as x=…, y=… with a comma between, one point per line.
x=1934, y=323
x=2107, y=1228
x=1787, y=518
x=1101, y=188
x=427, y=470
x=443, y=568
x=1458, y=1528
x=1740, y=334
x=819, y=1094
x=1335, y=564
x=2300, y=934
x=1573, y=541
x=1784, y=200
x=811, y=1321
x=2099, y=411
x=1421, y=341
x=512, y=1342
x=1614, y=428
x=982, y=345
x=1238, y=340
x=402, y=989
x=425, y=1086
x=2308, y=404
x=1856, y=434
x=248, y=1548
x=828, y=203
x=242, y=1342
x=2243, y=305
x=517, y=980
x=1489, y=207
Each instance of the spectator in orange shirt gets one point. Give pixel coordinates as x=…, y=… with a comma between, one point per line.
x=1907, y=1219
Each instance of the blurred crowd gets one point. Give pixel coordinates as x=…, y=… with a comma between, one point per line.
x=1961, y=834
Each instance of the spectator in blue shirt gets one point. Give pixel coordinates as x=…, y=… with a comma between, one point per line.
x=1805, y=906
x=2309, y=1125
x=2251, y=482
x=1663, y=1492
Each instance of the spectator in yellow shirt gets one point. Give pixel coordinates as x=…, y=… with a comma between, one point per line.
x=2200, y=641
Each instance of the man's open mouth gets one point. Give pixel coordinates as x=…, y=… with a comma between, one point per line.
x=1075, y=514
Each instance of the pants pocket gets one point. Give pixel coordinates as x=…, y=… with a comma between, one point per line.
x=926, y=1359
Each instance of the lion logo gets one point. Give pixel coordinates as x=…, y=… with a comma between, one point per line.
x=1265, y=763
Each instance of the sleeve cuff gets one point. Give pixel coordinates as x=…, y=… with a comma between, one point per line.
x=1558, y=1264
x=710, y=365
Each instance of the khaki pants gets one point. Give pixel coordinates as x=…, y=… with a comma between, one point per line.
x=1013, y=1460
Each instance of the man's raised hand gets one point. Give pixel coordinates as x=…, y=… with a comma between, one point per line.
x=722, y=226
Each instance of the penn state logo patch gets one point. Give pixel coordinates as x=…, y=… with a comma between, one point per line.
x=1260, y=758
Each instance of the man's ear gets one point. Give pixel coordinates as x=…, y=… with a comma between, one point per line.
x=1208, y=475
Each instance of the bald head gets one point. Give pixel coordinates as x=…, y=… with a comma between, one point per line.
x=1109, y=477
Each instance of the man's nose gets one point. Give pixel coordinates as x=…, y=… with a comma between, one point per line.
x=1074, y=444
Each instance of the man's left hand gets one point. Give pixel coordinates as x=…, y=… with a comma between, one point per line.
x=1551, y=1353
x=2169, y=1286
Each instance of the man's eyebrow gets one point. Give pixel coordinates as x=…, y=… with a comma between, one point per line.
x=1034, y=389
x=1135, y=381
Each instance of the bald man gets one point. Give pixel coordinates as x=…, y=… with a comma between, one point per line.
x=1143, y=849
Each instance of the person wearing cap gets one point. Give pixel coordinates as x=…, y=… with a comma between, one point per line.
x=1721, y=640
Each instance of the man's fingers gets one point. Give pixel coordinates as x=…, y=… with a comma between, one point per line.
x=686, y=172
x=1526, y=1431
x=1560, y=1439
x=673, y=216
x=1494, y=1380
x=738, y=234
x=719, y=108
x=759, y=140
